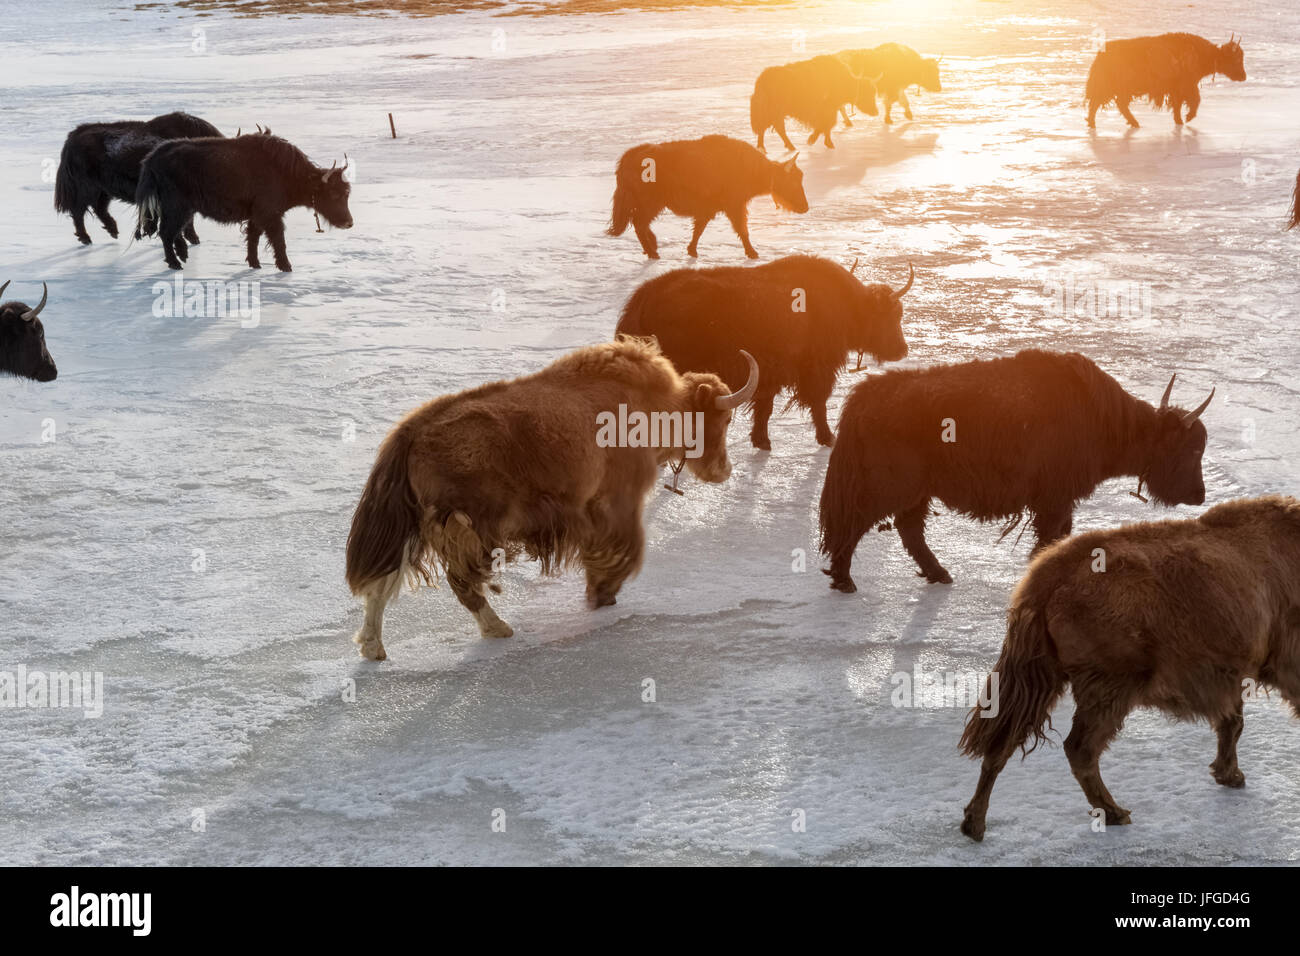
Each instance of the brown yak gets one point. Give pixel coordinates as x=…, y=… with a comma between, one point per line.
x=1166, y=69
x=1034, y=432
x=1184, y=616
x=533, y=466
x=811, y=92
x=896, y=67
x=699, y=178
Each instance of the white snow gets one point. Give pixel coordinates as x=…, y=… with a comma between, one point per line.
x=225, y=686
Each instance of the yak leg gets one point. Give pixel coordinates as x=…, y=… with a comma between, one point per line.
x=889, y=103
x=739, y=219
x=1225, y=767
x=613, y=553
x=174, y=249
x=1051, y=524
x=1093, y=106
x=845, y=114
x=972, y=823
x=1095, y=726
x=701, y=222
x=841, y=541
x=254, y=237
x=101, y=210
x=79, y=226
x=465, y=557
x=641, y=223
x=911, y=528
x=907, y=107
x=190, y=234
x=763, y=399
x=780, y=129
x=1122, y=102
x=1178, y=112
x=275, y=233
x=818, y=407
x=1193, y=104
x=370, y=638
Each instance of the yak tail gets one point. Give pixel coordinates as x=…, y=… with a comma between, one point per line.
x=624, y=194
x=386, y=535
x=1029, y=683
x=1295, y=204
x=71, y=174
x=758, y=112
x=147, y=202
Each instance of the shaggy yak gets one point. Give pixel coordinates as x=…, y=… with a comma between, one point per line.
x=253, y=179
x=800, y=316
x=811, y=92
x=532, y=466
x=1188, y=617
x=1166, y=69
x=101, y=162
x=898, y=67
x=22, y=341
x=1036, y=432
x=699, y=178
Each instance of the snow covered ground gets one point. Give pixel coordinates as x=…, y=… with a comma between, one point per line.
x=239, y=449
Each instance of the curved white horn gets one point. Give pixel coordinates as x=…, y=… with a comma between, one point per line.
x=911, y=275
x=724, y=402
x=33, y=313
x=1191, y=416
x=1169, y=390
x=5, y=286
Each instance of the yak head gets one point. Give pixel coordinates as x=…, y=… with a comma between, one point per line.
x=877, y=326
x=709, y=395
x=1230, y=61
x=330, y=197
x=1174, y=475
x=22, y=341
x=864, y=93
x=929, y=75
x=787, y=186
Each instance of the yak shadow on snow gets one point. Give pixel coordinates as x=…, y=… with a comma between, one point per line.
x=847, y=164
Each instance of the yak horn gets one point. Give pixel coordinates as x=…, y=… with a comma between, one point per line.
x=1191, y=416
x=5, y=286
x=325, y=176
x=854, y=268
x=725, y=402
x=238, y=131
x=1169, y=390
x=911, y=274
x=45, y=294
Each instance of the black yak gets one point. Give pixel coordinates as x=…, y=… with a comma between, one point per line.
x=800, y=316
x=1184, y=616
x=101, y=162
x=22, y=340
x=898, y=67
x=251, y=179
x=1166, y=69
x=811, y=92
x=1036, y=432
x=699, y=178
x=533, y=466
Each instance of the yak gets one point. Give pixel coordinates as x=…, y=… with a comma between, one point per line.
x=800, y=316
x=897, y=67
x=22, y=340
x=253, y=179
x=526, y=467
x=699, y=178
x=1036, y=432
x=101, y=162
x=1166, y=69
x=811, y=92
x=1189, y=617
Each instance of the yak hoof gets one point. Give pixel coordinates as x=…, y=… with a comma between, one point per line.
x=761, y=442
x=370, y=650
x=173, y=265
x=254, y=264
x=284, y=267
x=652, y=255
x=936, y=575
x=827, y=440
x=972, y=827
x=843, y=584
x=751, y=253
x=1118, y=818
x=1233, y=779
x=692, y=252
x=497, y=628
x=84, y=240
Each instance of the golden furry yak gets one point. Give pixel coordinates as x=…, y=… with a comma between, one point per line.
x=1182, y=616
x=1166, y=70
x=521, y=466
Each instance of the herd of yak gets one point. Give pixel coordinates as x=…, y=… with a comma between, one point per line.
x=1177, y=615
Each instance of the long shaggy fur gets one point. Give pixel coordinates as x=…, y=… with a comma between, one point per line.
x=1165, y=70
x=809, y=92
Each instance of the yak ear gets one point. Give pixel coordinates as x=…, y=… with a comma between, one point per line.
x=703, y=396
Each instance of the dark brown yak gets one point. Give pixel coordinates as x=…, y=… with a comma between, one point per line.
x=520, y=467
x=810, y=92
x=1166, y=69
x=800, y=316
x=22, y=340
x=699, y=178
x=1185, y=617
x=898, y=67
x=1036, y=432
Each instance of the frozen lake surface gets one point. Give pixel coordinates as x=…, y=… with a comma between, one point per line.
x=478, y=253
